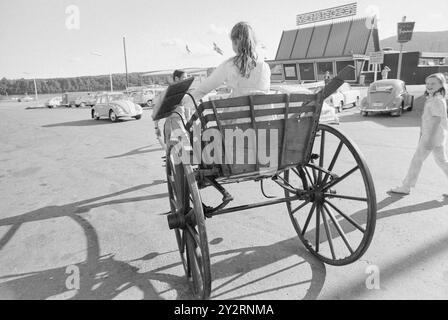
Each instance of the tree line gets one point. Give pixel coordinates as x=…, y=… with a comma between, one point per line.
x=77, y=84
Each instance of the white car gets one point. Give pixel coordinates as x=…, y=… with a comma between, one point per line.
x=115, y=106
x=54, y=102
x=344, y=96
x=327, y=114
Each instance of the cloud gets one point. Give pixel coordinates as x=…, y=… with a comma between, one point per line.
x=175, y=42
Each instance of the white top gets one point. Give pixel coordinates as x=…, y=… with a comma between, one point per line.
x=227, y=73
x=435, y=107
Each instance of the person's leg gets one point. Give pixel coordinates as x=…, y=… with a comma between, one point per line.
x=440, y=157
x=415, y=167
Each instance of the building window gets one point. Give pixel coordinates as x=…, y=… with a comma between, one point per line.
x=290, y=72
x=307, y=71
x=342, y=64
x=323, y=67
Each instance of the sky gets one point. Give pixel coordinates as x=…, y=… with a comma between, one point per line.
x=65, y=38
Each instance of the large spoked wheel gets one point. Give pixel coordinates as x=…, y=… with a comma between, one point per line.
x=187, y=217
x=336, y=218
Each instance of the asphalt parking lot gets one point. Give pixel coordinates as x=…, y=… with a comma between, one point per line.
x=91, y=195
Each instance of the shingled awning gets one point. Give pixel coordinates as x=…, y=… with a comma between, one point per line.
x=341, y=39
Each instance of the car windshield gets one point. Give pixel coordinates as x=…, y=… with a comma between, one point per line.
x=116, y=97
x=381, y=88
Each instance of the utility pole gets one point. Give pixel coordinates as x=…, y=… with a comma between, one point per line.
x=125, y=62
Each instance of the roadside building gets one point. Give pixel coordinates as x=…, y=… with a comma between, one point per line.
x=307, y=54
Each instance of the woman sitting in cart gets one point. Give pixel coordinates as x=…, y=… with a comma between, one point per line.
x=245, y=73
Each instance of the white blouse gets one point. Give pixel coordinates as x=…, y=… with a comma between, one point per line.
x=228, y=74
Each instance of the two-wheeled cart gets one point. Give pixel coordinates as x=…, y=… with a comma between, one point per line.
x=328, y=189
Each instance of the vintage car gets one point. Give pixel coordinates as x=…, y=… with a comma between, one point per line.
x=53, y=102
x=388, y=96
x=78, y=100
x=145, y=96
x=115, y=105
x=344, y=96
x=25, y=98
x=328, y=113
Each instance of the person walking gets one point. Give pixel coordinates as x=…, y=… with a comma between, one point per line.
x=433, y=133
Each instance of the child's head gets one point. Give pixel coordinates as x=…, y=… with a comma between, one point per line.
x=179, y=75
x=244, y=46
x=435, y=83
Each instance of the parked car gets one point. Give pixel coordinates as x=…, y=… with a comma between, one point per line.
x=389, y=96
x=145, y=96
x=53, y=102
x=345, y=96
x=25, y=98
x=328, y=113
x=77, y=100
x=115, y=105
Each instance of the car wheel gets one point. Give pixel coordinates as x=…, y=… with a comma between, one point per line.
x=72, y=106
x=95, y=115
x=149, y=103
x=138, y=117
x=364, y=113
x=399, y=112
x=112, y=116
x=82, y=105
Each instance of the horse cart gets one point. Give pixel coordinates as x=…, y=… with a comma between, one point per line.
x=324, y=179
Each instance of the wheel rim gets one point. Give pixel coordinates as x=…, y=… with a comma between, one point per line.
x=113, y=116
x=336, y=221
x=191, y=238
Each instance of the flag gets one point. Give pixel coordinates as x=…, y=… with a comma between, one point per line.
x=188, y=49
x=217, y=49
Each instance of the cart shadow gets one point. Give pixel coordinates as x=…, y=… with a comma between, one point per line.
x=359, y=216
x=50, y=283
x=137, y=151
x=252, y=259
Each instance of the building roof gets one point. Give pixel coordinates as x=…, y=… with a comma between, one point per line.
x=340, y=39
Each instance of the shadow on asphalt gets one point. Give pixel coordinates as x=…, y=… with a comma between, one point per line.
x=79, y=123
x=102, y=277
x=137, y=151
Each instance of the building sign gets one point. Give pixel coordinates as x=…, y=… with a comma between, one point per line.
x=376, y=57
x=405, y=30
x=327, y=14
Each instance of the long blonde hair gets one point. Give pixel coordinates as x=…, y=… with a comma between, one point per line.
x=246, y=56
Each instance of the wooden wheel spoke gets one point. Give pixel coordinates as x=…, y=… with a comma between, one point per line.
x=340, y=179
x=338, y=228
x=300, y=207
x=308, y=219
x=349, y=219
x=333, y=161
x=312, y=181
x=321, y=155
x=327, y=232
x=317, y=229
x=296, y=172
x=337, y=196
